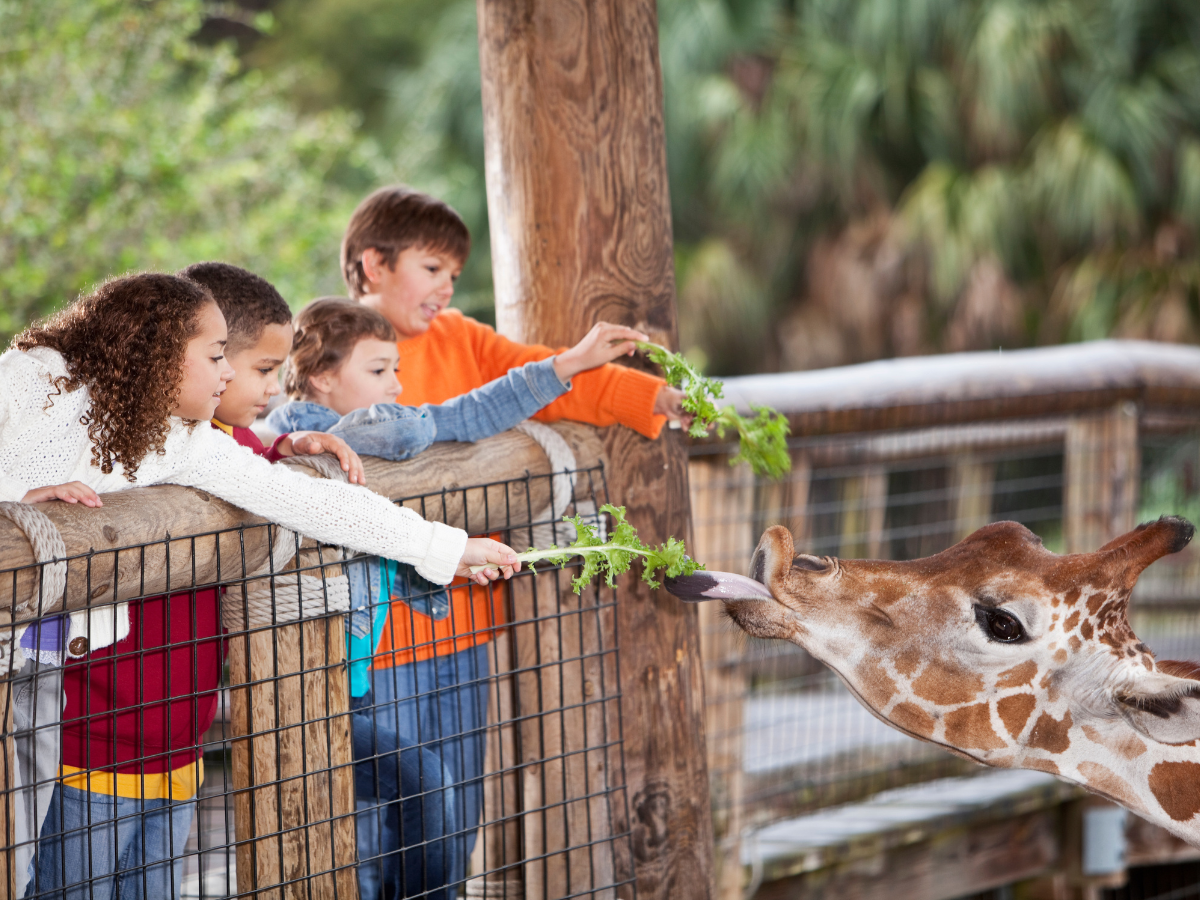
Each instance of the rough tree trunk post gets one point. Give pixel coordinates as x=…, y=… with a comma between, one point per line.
x=581, y=232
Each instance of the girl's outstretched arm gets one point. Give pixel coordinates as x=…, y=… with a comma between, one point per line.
x=329, y=511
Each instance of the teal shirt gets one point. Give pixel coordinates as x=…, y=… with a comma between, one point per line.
x=366, y=628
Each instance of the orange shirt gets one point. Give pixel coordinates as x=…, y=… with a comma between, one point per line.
x=457, y=355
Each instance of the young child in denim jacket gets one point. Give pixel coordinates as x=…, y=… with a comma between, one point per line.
x=342, y=378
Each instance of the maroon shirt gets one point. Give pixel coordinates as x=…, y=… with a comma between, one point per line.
x=142, y=704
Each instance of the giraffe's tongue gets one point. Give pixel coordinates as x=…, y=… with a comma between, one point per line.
x=716, y=586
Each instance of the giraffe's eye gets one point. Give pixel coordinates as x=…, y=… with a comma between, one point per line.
x=1000, y=625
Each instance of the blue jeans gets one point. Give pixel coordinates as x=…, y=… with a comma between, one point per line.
x=404, y=803
x=101, y=847
x=441, y=704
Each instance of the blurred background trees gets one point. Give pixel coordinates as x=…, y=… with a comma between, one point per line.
x=851, y=179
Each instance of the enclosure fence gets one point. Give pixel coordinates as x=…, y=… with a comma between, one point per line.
x=215, y=742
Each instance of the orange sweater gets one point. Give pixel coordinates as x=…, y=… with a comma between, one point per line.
x=457, y=355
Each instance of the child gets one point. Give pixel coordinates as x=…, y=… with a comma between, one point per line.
x=110, y=393
x=260, y=337
x=401, y=254
x=342, y=377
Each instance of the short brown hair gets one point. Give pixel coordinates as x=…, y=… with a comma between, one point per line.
x=326, y=332
x=125, y=342
x=248, y=302
x=391, y=220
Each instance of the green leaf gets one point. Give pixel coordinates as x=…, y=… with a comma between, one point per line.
x=762, y=441
x=616, y=555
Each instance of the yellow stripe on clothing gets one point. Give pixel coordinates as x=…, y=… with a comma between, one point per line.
x=178, y=784
x=228, y=429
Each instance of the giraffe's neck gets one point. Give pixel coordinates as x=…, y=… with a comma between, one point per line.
x=1160, y=782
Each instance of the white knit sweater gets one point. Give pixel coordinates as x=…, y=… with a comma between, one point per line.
x=40, y=447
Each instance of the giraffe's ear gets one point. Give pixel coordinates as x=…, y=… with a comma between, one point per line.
x=1163, y=707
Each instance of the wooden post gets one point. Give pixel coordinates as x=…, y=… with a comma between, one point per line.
x=724, y=536
x=864, y=499
x=1101, y=475
x=293, y=773
x=581, y=231
x=972, y=481
x=8, y=762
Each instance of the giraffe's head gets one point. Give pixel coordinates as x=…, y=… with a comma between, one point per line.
x=995, y=648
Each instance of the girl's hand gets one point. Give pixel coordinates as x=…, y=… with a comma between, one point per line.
x=604, y=343
x=484, y=552
x=669, y=403
x=71, y=492
x=312, y=443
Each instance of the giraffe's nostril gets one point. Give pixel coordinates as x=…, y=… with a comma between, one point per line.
x=811, y=563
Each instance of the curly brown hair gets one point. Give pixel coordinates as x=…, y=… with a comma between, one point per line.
x=327, y=331
x=125, y=342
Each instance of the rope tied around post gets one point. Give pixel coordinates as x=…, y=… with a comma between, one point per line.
x=270, y=596
x=563, y=466
x=50, y=552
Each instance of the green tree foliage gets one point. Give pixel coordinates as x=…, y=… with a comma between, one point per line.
x=1045, y=149
x=410, y=68
x=124, y=145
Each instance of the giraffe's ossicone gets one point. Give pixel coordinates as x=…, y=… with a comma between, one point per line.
x=999, y=650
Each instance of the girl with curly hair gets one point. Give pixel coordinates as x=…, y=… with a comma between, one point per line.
x=103, y=396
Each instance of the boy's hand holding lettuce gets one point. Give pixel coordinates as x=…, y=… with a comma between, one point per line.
x=762, y=440
x=613, y=557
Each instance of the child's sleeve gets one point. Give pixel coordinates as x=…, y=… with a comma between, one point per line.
x=19, y=375
x=387, y=430
x=329, y=511
x=498, y=405
x=607, y=395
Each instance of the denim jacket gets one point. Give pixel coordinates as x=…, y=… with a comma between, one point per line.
x=396, y=432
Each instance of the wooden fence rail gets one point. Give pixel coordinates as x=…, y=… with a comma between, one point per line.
x=292, y=757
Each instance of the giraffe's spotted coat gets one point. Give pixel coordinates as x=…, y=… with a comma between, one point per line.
x=1176, y=786
x=971, y=728
x=1047, y=702
x=1015, y=710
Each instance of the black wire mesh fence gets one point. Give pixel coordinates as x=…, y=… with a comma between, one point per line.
x=245, y=712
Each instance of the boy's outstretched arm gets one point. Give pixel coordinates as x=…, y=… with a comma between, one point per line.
x=604, y=343
x=601, y=396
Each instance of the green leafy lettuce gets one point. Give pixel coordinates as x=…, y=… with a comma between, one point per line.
x=762, y=440
x=616, y=555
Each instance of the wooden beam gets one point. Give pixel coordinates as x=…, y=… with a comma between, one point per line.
x=581, y=232
x=965, y=861
x=921, y=392
x=142, y=520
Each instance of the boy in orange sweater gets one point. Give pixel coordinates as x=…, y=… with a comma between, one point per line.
x=401, y=254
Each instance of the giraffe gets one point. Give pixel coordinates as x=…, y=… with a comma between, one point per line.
x=998, y=650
